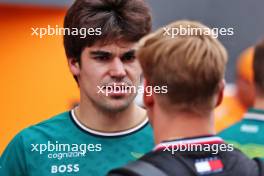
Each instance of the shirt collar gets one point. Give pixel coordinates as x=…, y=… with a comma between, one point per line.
x=254, y=114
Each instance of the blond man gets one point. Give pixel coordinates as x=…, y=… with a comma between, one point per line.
x=186, y=57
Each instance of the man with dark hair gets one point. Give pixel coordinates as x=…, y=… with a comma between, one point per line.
x=192, y=65
x=248, y=134
x=107, y=129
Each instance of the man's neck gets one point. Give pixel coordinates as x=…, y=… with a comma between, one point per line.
x=259, y=103
x=181, y=125
x=97, y=120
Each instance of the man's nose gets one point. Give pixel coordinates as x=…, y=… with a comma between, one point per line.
x=117, y=68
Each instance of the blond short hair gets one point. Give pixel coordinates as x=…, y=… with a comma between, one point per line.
x=190, y=65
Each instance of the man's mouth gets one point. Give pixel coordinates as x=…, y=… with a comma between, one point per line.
x=116, y=89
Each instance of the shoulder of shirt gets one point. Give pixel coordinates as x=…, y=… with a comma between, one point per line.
x=231, y=128
x=54, y=121
x=234, y=159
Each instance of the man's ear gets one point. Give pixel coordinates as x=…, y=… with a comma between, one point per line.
x=147, y=96
x=74, y=66
x=220, y=95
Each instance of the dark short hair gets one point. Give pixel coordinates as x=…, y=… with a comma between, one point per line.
x=126, y=20
x=258, y=67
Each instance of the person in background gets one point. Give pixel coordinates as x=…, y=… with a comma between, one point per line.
x=192, y=66
x=248, y=134
x=237, y=99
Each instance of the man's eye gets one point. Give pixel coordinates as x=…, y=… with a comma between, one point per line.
x=128, y=58
x=101, y=58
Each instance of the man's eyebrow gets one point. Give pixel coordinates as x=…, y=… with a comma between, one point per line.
x=104, y=53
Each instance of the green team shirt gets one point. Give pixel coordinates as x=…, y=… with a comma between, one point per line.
x=248, y=134
x=63, y=146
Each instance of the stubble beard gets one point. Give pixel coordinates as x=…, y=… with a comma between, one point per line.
x=109, y=106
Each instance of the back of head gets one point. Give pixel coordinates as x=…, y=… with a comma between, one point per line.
x=191, y=65
x=244, y=78
x=244, y=66
x=258, y=68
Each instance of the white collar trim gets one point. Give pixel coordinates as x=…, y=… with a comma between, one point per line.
x=113, y=134
x=254, y=116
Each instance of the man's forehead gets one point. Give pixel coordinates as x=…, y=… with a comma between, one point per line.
x=115, y=47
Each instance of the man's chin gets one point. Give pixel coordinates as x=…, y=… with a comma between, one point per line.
x=114, y=108
x=118, y=103
x=117, y=95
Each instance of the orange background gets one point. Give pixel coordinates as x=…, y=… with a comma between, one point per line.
x=35, y=80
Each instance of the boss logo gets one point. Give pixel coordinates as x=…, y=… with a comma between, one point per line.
x=65, y=168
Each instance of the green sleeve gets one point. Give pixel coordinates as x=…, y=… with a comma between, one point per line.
x=12, y=161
